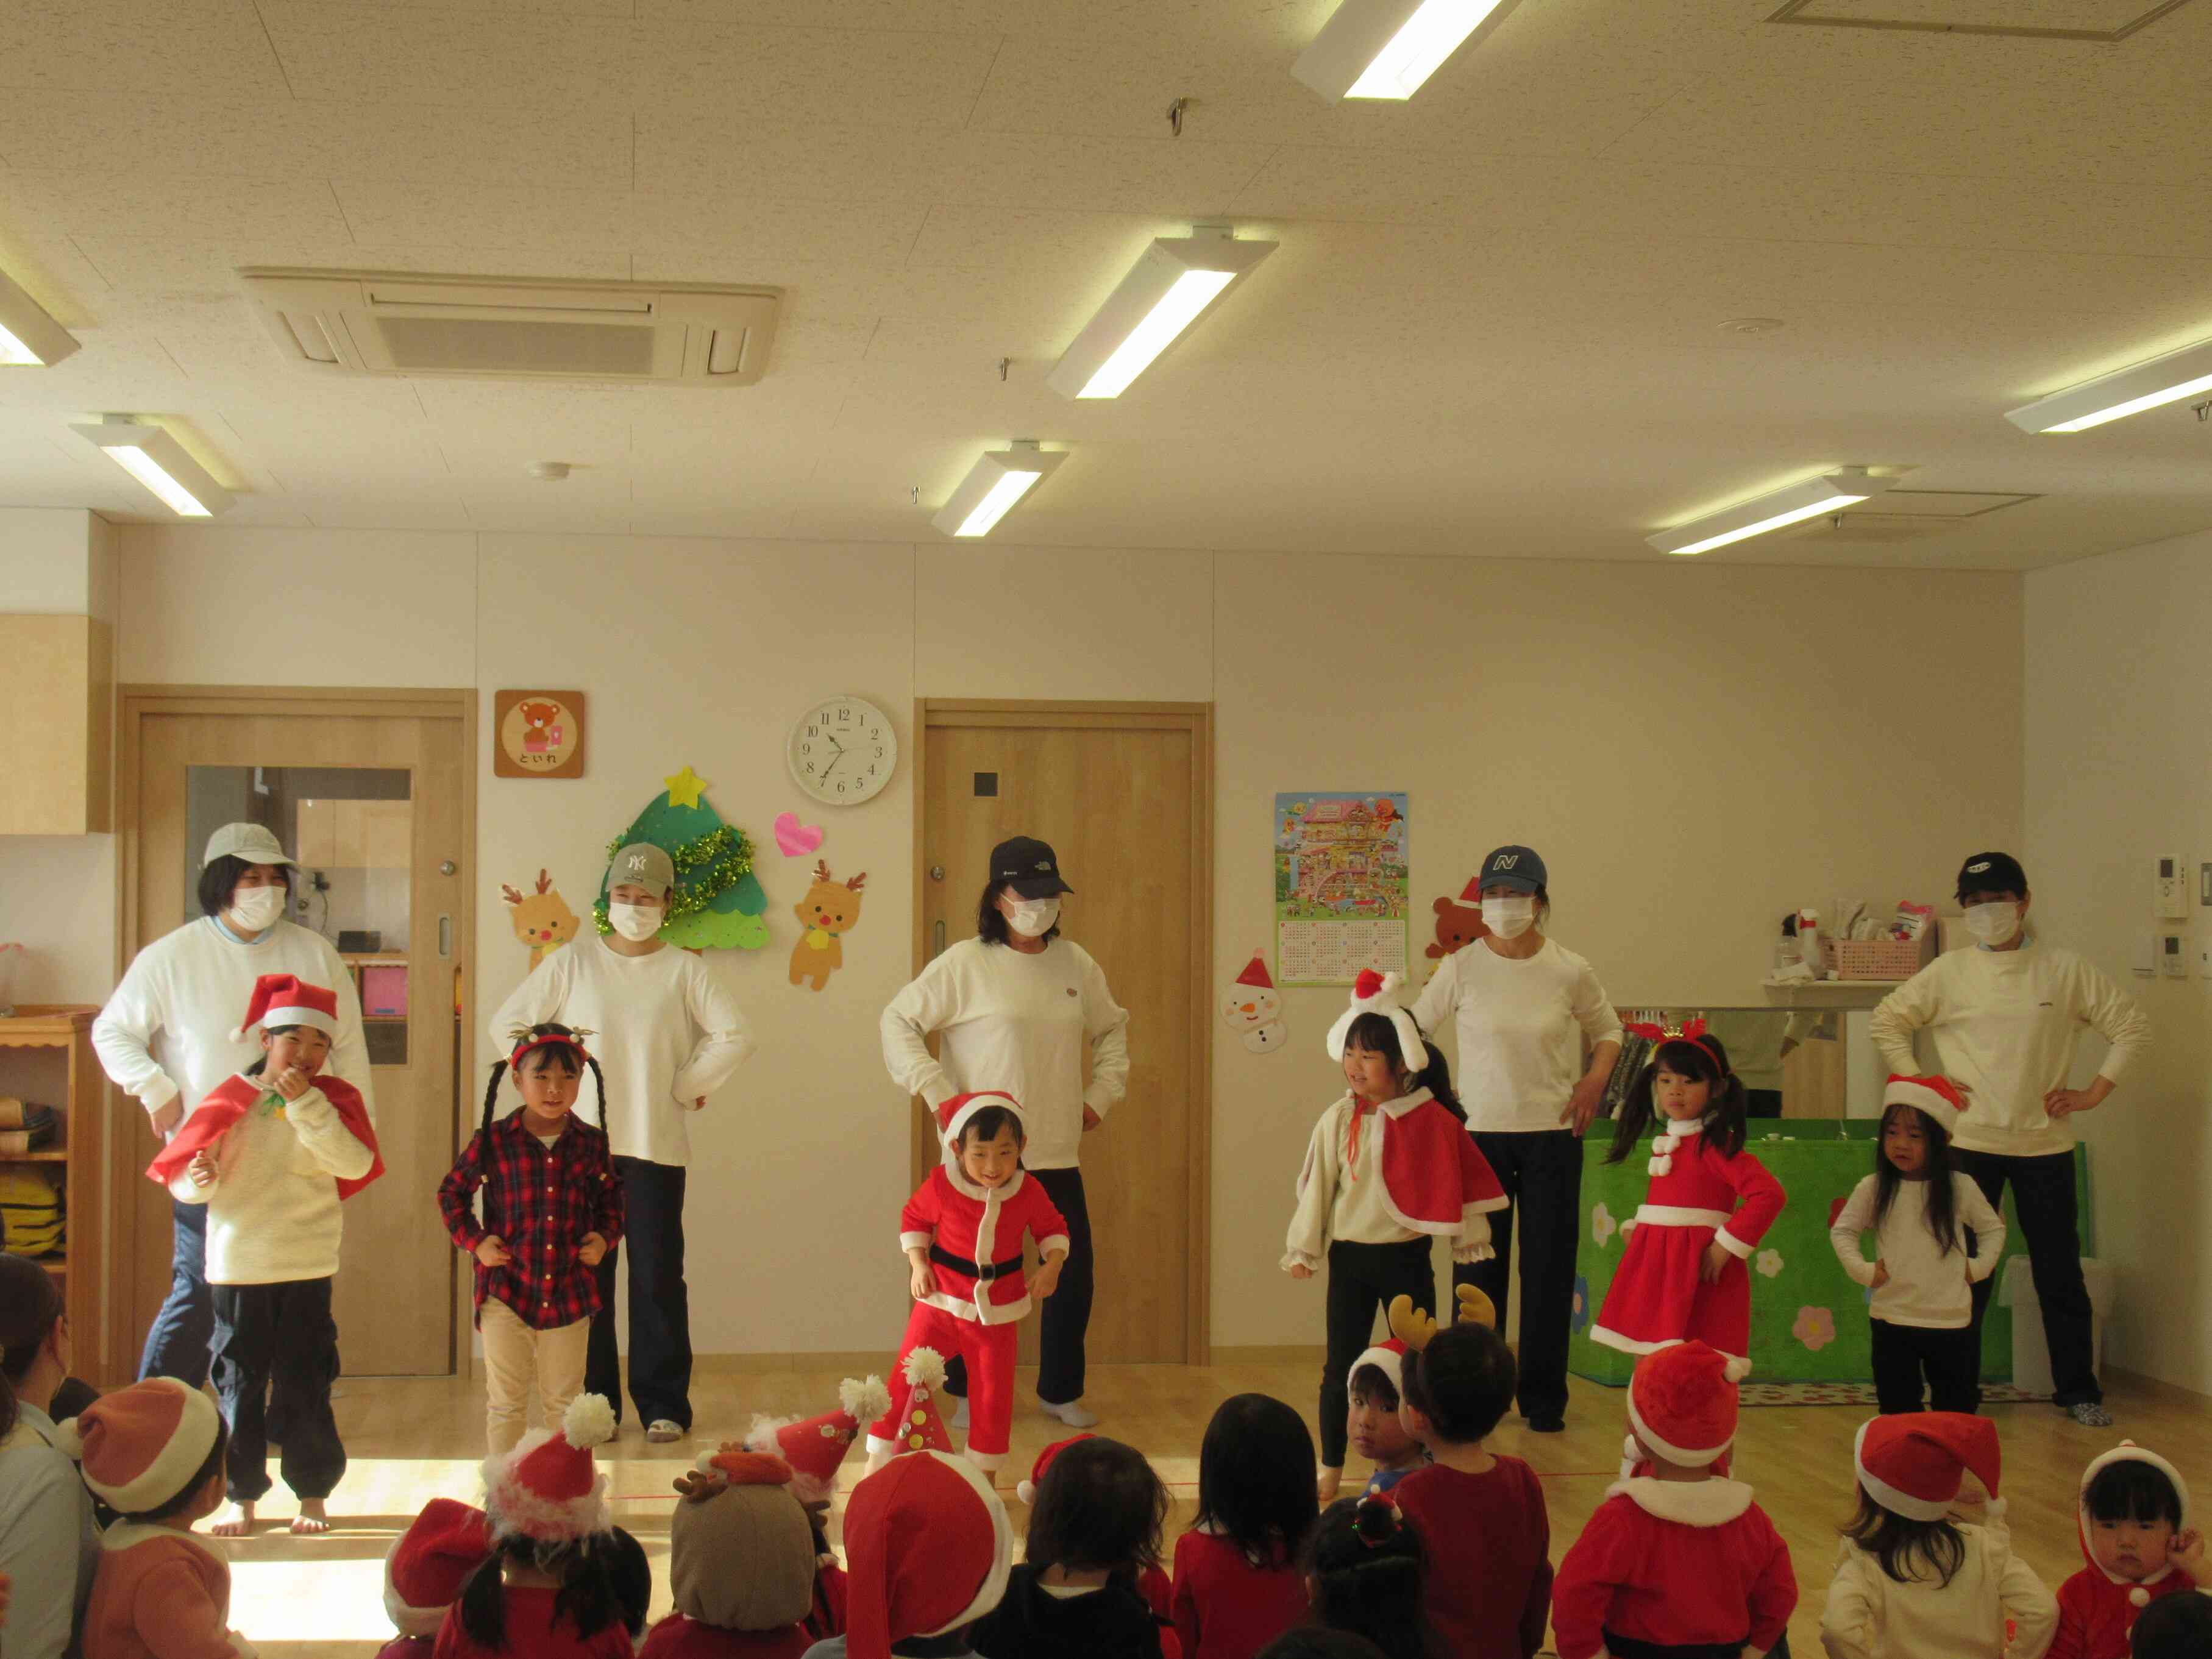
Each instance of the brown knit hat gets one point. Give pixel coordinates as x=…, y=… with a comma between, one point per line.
x=742, y=1560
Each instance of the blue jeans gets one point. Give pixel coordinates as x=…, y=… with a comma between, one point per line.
x=179, y=1344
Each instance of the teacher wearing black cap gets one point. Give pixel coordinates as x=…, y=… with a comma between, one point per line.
x=1018, y=1007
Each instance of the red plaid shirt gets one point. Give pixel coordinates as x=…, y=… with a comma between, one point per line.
x=539, y=1202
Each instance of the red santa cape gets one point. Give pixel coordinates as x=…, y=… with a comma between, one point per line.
x=232, y=1099
x=1434, y=1177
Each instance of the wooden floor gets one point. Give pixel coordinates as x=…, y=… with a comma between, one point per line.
x=410, y=1442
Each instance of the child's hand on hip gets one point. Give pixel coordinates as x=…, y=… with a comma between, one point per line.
x=592, y=1250
x=1717, y=1258
x=1882, y=1276
x=292, y=1083
x=201, y=1167
x=492, y=1251
x=1299, y=1270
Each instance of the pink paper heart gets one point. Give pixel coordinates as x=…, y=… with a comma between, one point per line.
x=795, y=840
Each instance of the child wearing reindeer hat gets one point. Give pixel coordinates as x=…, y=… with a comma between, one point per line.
x=2133, y=1514
x=962, y=1233
x=1911, y=1578
x=743, y=1561
x=1681, y=1559
x=273, y=1152
x=929, y=1551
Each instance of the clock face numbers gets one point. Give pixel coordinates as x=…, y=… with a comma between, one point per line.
x=843, y=751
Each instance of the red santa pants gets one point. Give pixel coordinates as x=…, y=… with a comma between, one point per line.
x=989, y=1352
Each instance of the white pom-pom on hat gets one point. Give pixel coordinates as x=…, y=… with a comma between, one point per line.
x=589, y=1421
x=863, y=1401
x=924, y=1369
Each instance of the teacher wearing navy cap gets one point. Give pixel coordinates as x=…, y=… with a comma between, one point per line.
x=1019, y=1009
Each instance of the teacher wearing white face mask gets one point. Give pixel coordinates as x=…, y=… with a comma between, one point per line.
x=1525, y=1007
x=1019, y=1007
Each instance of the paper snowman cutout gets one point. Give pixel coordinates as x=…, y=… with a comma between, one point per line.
x=1253, y=1009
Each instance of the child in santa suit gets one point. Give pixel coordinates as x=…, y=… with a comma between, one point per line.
x=424, y=1571
x=1913, y=1578
x=962, y=1233
x=153, y=1453
x=2134, y=1519
x=1389, y=1169
x=1683, y=1276
x=1680, y=1560
x=272, y=1153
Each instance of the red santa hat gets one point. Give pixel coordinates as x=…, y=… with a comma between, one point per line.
x=919, y=1427
x=1681, y=1403
x=1027, y=1490
x=423, y=1572
x=141, y=1446
x=288, y=999
x=2127, y=1451
x=1389, y=1358
x=815, y=1447
x=1374, y=992
x=1913, y=1465
x=547, y=1487
x=952, y=1116
x=927, y=1550
x=1256, y=973
x=1938, y=1096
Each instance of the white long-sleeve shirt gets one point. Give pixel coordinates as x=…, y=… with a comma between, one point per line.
x=1926, y=1286
x=1522, y=1025
x=666, y=1032
x=273, y=1208
x=1017, y=1022
x=1337, y=1207
x=1869, y=1615
x=165, y=1034
x=2006, y=1024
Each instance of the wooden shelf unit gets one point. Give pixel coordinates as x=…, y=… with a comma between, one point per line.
x=80, y=1153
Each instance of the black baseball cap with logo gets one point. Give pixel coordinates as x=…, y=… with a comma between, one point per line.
x=1992, y=873
x=1029, y=866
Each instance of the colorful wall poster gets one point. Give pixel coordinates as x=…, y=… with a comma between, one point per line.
x=1342, y=892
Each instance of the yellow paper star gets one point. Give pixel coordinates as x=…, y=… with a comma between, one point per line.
x=683, y=787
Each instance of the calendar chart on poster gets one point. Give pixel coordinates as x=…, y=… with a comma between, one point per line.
x=1342, y=892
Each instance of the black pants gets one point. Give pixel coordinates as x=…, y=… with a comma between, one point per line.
x=1362, y=1278
x=177, y=1345
x=275, y=1357
x=1541, y=1172
x=1951, y=1360
x=660, y=1304
x=1066, y=1317
x=2043, y=1200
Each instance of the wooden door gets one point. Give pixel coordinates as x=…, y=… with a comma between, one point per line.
x=1123, y=794
x=394, y=1299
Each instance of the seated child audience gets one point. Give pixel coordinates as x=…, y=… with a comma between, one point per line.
x=1237, y=1582
x=548, y=1587
x=1313, y=1643
x=1911, y=1579
x=631, y=1575
x=1095, y=1525
x=49, y=1541
x=1375, y=1431
x=154, y=1451
x=1153, y=1581
x=927, y=1553
x=742, y=1557
x=424, y=1571
x=1482, y=1515
x=1364, y=1570
x=2133, y=1520
x=2174, y=1628
x=1680, y=1559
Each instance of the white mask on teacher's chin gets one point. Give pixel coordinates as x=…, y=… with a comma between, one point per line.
x=256, y=908
x=1993, y=924
x=1033, y=918
x=1508, y=918
x=635, y=922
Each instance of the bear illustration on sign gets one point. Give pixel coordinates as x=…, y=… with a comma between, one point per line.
x=1458, y=924
x=1253, y=1009
x=544, y=921
x=825, y=915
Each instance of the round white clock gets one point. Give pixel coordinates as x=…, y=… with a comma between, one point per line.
x=842, y=751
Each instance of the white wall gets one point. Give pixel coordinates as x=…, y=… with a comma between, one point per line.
x=1687, y=767
x=2118, y=684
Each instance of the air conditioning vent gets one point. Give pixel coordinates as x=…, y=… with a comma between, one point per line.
x=343, y=322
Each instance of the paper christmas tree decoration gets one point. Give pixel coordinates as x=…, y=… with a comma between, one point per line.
x=717, y=903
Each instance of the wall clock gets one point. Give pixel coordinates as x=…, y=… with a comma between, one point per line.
x=842, y=751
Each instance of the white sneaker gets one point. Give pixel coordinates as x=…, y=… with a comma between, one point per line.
x=1072, y=1414
x=960, y=1416
x=661, y=1431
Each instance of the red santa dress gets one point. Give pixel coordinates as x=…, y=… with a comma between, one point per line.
x=1658, y=1296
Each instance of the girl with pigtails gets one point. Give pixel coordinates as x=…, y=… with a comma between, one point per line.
x=552, y=1209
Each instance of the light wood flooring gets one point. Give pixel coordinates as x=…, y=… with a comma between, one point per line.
x=411, y=1441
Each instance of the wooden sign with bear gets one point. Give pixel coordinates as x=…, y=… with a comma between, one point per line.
x=538, y=735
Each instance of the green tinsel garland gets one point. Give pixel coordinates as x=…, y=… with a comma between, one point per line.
x=705, y=868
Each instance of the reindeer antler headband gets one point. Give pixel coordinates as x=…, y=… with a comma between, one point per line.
x=524, y=1042
x=1693, y=1033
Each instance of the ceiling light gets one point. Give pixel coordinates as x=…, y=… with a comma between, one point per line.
x=1165, y=293
x=158, y=461
x=1387, y=48
x=1792, y=504
x=2168, y=380
x=28, y=337
x=993, y=484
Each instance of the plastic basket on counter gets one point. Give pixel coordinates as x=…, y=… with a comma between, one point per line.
x=1878, y=958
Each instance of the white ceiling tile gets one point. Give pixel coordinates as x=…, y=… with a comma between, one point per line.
x=203, y=206
x=110, y=47
x=409, y=55
x=396, y=214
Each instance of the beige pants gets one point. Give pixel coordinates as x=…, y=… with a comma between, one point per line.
x=516, y=1355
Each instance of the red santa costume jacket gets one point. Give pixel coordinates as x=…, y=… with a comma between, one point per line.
x=1435, y=1179
x=1675, y=1563
x=1658, y=1295
x=965, y=1228
x=2096, y=1611
x=233, y=1099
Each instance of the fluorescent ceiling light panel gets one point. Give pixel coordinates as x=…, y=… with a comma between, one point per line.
x=28, y=337
x=993, y=486
x=1792, y=504
x=1165, y=292
x=1387, y=48
x=2168, y=380
x=158, y=461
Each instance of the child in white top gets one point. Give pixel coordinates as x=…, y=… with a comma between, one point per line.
x=1922, y=1214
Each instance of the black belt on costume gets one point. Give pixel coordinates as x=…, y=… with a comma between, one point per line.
x=982, y=1275
x=1624, y=1647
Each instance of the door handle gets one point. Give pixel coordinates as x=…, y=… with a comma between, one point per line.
x=445, y=936
x=938, y=949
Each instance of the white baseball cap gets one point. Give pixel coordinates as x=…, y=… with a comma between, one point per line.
x=255, y=843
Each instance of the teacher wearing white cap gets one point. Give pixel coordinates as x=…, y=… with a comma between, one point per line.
x=166, y=1037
